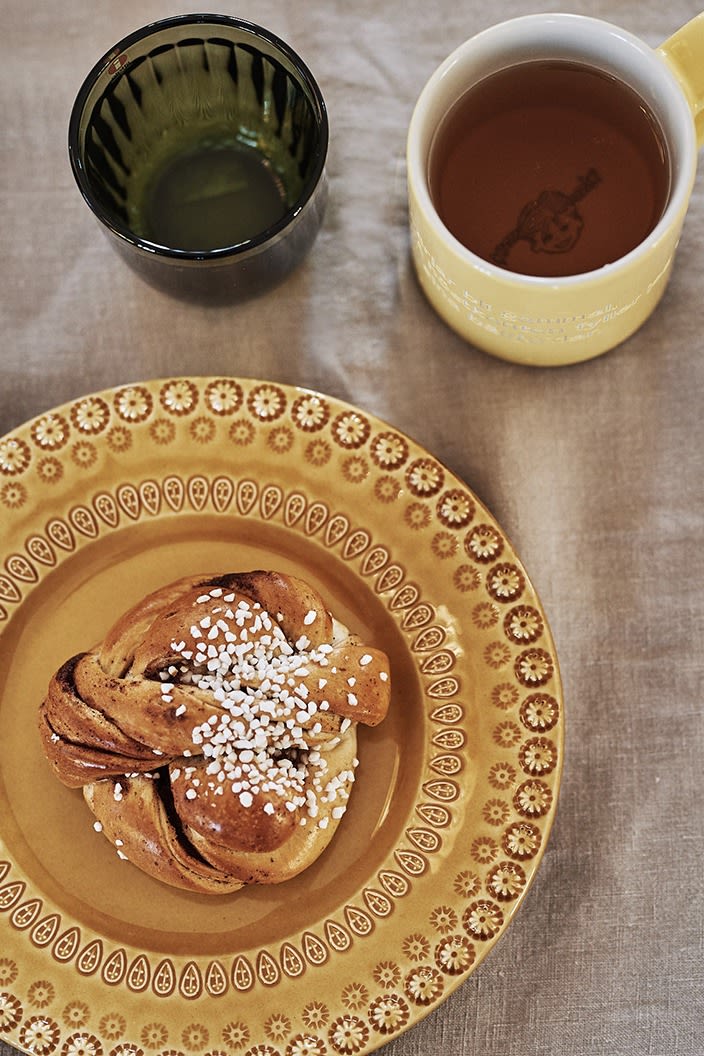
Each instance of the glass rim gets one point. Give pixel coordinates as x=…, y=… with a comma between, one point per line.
x=255, y=243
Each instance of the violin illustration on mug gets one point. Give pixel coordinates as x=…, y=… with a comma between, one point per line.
x=550, y=223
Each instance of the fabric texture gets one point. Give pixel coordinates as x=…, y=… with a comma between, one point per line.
x=593, y=471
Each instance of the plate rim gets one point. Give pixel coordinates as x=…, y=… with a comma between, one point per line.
x=155, y=386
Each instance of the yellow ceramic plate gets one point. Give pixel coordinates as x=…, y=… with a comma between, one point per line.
x=114, y=494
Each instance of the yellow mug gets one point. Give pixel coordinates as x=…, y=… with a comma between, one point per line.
x=554, y=321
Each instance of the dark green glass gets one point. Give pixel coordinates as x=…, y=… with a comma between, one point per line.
x=200, y=142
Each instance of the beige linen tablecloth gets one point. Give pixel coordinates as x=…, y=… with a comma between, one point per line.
x=593, y=471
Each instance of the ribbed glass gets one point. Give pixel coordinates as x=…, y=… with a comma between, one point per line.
x=204, y=87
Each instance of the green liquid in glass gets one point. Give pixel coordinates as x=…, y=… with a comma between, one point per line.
x=210, y=196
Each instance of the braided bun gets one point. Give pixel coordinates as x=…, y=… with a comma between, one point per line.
x=213, y=730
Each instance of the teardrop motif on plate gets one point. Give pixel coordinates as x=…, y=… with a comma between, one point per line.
x=190, y=983
x=106, y=508
x=198, y=491
x=174, y=492
x=66, y=946
x=246, y=496
x=268, y=970
x=424, y=839
x=447, y=764
x=38, y=548
x=90, y=957
x=434, y=814
x=11, y=893
x=444, y=687
x=418, y=616
x=139, y=974
x=446, y=791
x=438, y=663
x=451, y=739
x=356, y=544
x=315, y=950
x=115, y=968
x=44, y=932
x=150, y=496
x=129, y=500
x=83, y=521
x=242, y=974
x=26, y=914
x=19, y=567
x=60, y=533
x=216, y=982
x=393, y=883
x=430, y=638
x=359, y=921
x=375, y=560
x=405, y=597
x=294, y=509
x=338, y=937
x=316, y=517
x=337, y=529
x=378, y=903
x=164, y=979
x=292, y=962
x=390, y=579
x=414, y=864
x=222, y=490
x=8, y=589
x=448, y=714
x=272, y=497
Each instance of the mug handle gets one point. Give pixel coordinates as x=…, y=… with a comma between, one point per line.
x=684, y=53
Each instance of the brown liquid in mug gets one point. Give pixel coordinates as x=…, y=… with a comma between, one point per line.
x=550, y=168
